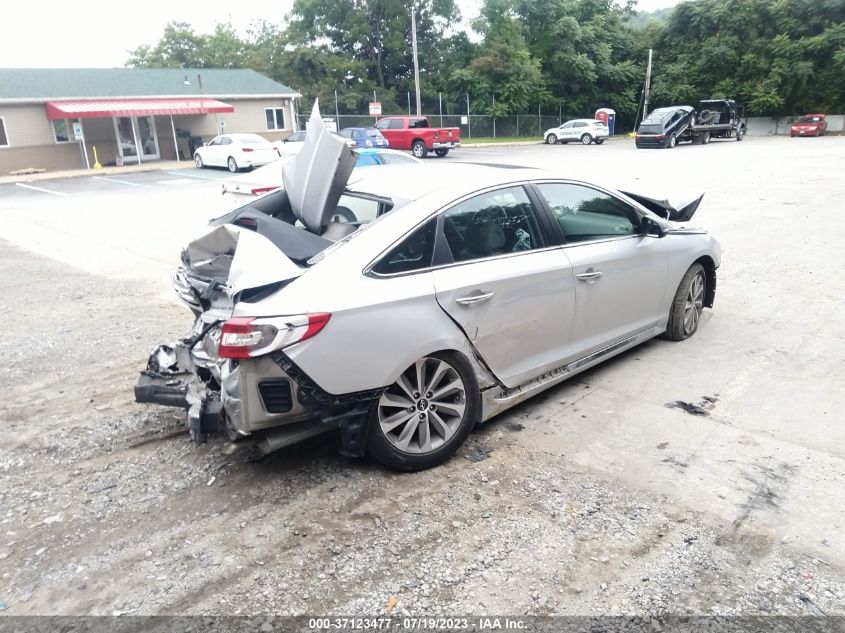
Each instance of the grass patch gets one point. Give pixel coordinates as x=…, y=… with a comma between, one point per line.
x=500, y=139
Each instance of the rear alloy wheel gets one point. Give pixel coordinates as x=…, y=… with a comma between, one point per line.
x=441, y=152
x=739, y=134
x=551, y=139
x=687, y=305
x=586, y=139
x=198, y=161
x=232, y=164
x=425, y=416
x=673, y=140
x=419, y=149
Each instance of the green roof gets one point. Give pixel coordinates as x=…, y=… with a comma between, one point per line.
x=71, y=83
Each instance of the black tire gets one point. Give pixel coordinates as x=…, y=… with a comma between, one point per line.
x=198, y=161
x=599, y=141
x=551, y=139
x=739, y=133
x=419, y=149
x=441, y=152
x=380, y=448
x=586, y=139
x=680, y=327
x=673, y=141
x=232, y=164
x=564, y=142
x=343, y=214
x=705, y=138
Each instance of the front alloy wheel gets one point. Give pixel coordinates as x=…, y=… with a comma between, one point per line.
x=423, y=417
x=232, y=164
x=688, y=304
x=586, y=139
x=551, y=139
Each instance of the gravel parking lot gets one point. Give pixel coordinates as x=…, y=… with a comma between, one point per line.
x=593, y=498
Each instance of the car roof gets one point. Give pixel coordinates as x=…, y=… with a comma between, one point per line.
x=415, y=181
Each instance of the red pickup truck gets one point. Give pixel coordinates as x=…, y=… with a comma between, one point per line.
x=413, y=133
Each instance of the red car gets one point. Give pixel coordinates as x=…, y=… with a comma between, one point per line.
x=809, y=125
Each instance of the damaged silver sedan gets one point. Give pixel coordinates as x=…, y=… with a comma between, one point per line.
x=460, y=291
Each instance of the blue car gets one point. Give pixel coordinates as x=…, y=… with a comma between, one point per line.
x=365, y=136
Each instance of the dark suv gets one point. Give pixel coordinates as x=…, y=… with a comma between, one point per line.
x=664, y=126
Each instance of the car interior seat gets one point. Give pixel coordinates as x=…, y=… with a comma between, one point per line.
x=336, y=231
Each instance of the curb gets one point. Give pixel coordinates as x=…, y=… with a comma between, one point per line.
x=104, y=171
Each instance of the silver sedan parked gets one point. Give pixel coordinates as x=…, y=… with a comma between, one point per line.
x=473, y=289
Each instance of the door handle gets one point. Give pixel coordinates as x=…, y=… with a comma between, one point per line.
x=590, y=275
x=476, y=298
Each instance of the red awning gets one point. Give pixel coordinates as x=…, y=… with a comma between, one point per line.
x=90, y=109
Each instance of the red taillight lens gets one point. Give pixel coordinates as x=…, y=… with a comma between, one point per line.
x=660, y=137
x=248, y=337
x=248, y=149
x=238, y=337
x=259, y=190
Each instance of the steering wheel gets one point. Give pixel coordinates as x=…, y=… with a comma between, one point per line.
x=488, y=214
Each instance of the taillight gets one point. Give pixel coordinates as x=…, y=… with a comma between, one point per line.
x=436, y=135
x=259, y=190
x=660, y=137
x=248, y=337
x=247, y=149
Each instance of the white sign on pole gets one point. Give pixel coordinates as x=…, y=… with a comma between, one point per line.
x=330, y=123
x=464, y=120
x=222, y=124
x=77, y=131
x=375, y=108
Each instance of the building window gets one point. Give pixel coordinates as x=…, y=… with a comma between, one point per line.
x=275, y=118
x=4, y=138
x=63, y=130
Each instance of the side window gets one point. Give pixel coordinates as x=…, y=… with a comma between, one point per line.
x=566, y=126
x=588, y=214
x=494, y=223
x=384, y=124
x=225, y=141
x=579, y=124
x=397, y=124
x=412, y=253
x=4, y=138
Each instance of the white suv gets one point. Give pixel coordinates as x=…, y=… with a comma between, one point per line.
x=584, y=130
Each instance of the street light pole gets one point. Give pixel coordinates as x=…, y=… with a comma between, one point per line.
x=416, y=61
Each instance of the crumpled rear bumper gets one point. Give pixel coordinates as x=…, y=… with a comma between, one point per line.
x=171, y=379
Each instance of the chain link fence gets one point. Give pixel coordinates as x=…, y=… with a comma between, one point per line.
x=528, y=126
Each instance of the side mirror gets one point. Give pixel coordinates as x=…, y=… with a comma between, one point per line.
x=653, y=228
x=205, y=144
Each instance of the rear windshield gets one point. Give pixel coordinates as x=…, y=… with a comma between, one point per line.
x=252, y=139
x=418, y=123
x=650, y=129
x=372, y=132
x=809, y=119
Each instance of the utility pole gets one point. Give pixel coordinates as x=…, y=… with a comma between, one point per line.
x=647, y=85
x=336, y=112
x=416, y=61
x=469, y=120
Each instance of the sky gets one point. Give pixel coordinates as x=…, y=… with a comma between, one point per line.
x=93, y=35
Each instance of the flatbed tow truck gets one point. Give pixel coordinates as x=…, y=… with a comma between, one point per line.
x=716, y=118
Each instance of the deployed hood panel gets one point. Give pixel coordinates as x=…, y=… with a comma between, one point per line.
x=675, y=207
x=315, y=178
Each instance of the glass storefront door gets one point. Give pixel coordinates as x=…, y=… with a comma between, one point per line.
x=128, y=129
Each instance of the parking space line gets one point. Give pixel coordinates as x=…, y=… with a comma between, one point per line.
x=55, y=193
x=118, y=180
x=176, y=173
